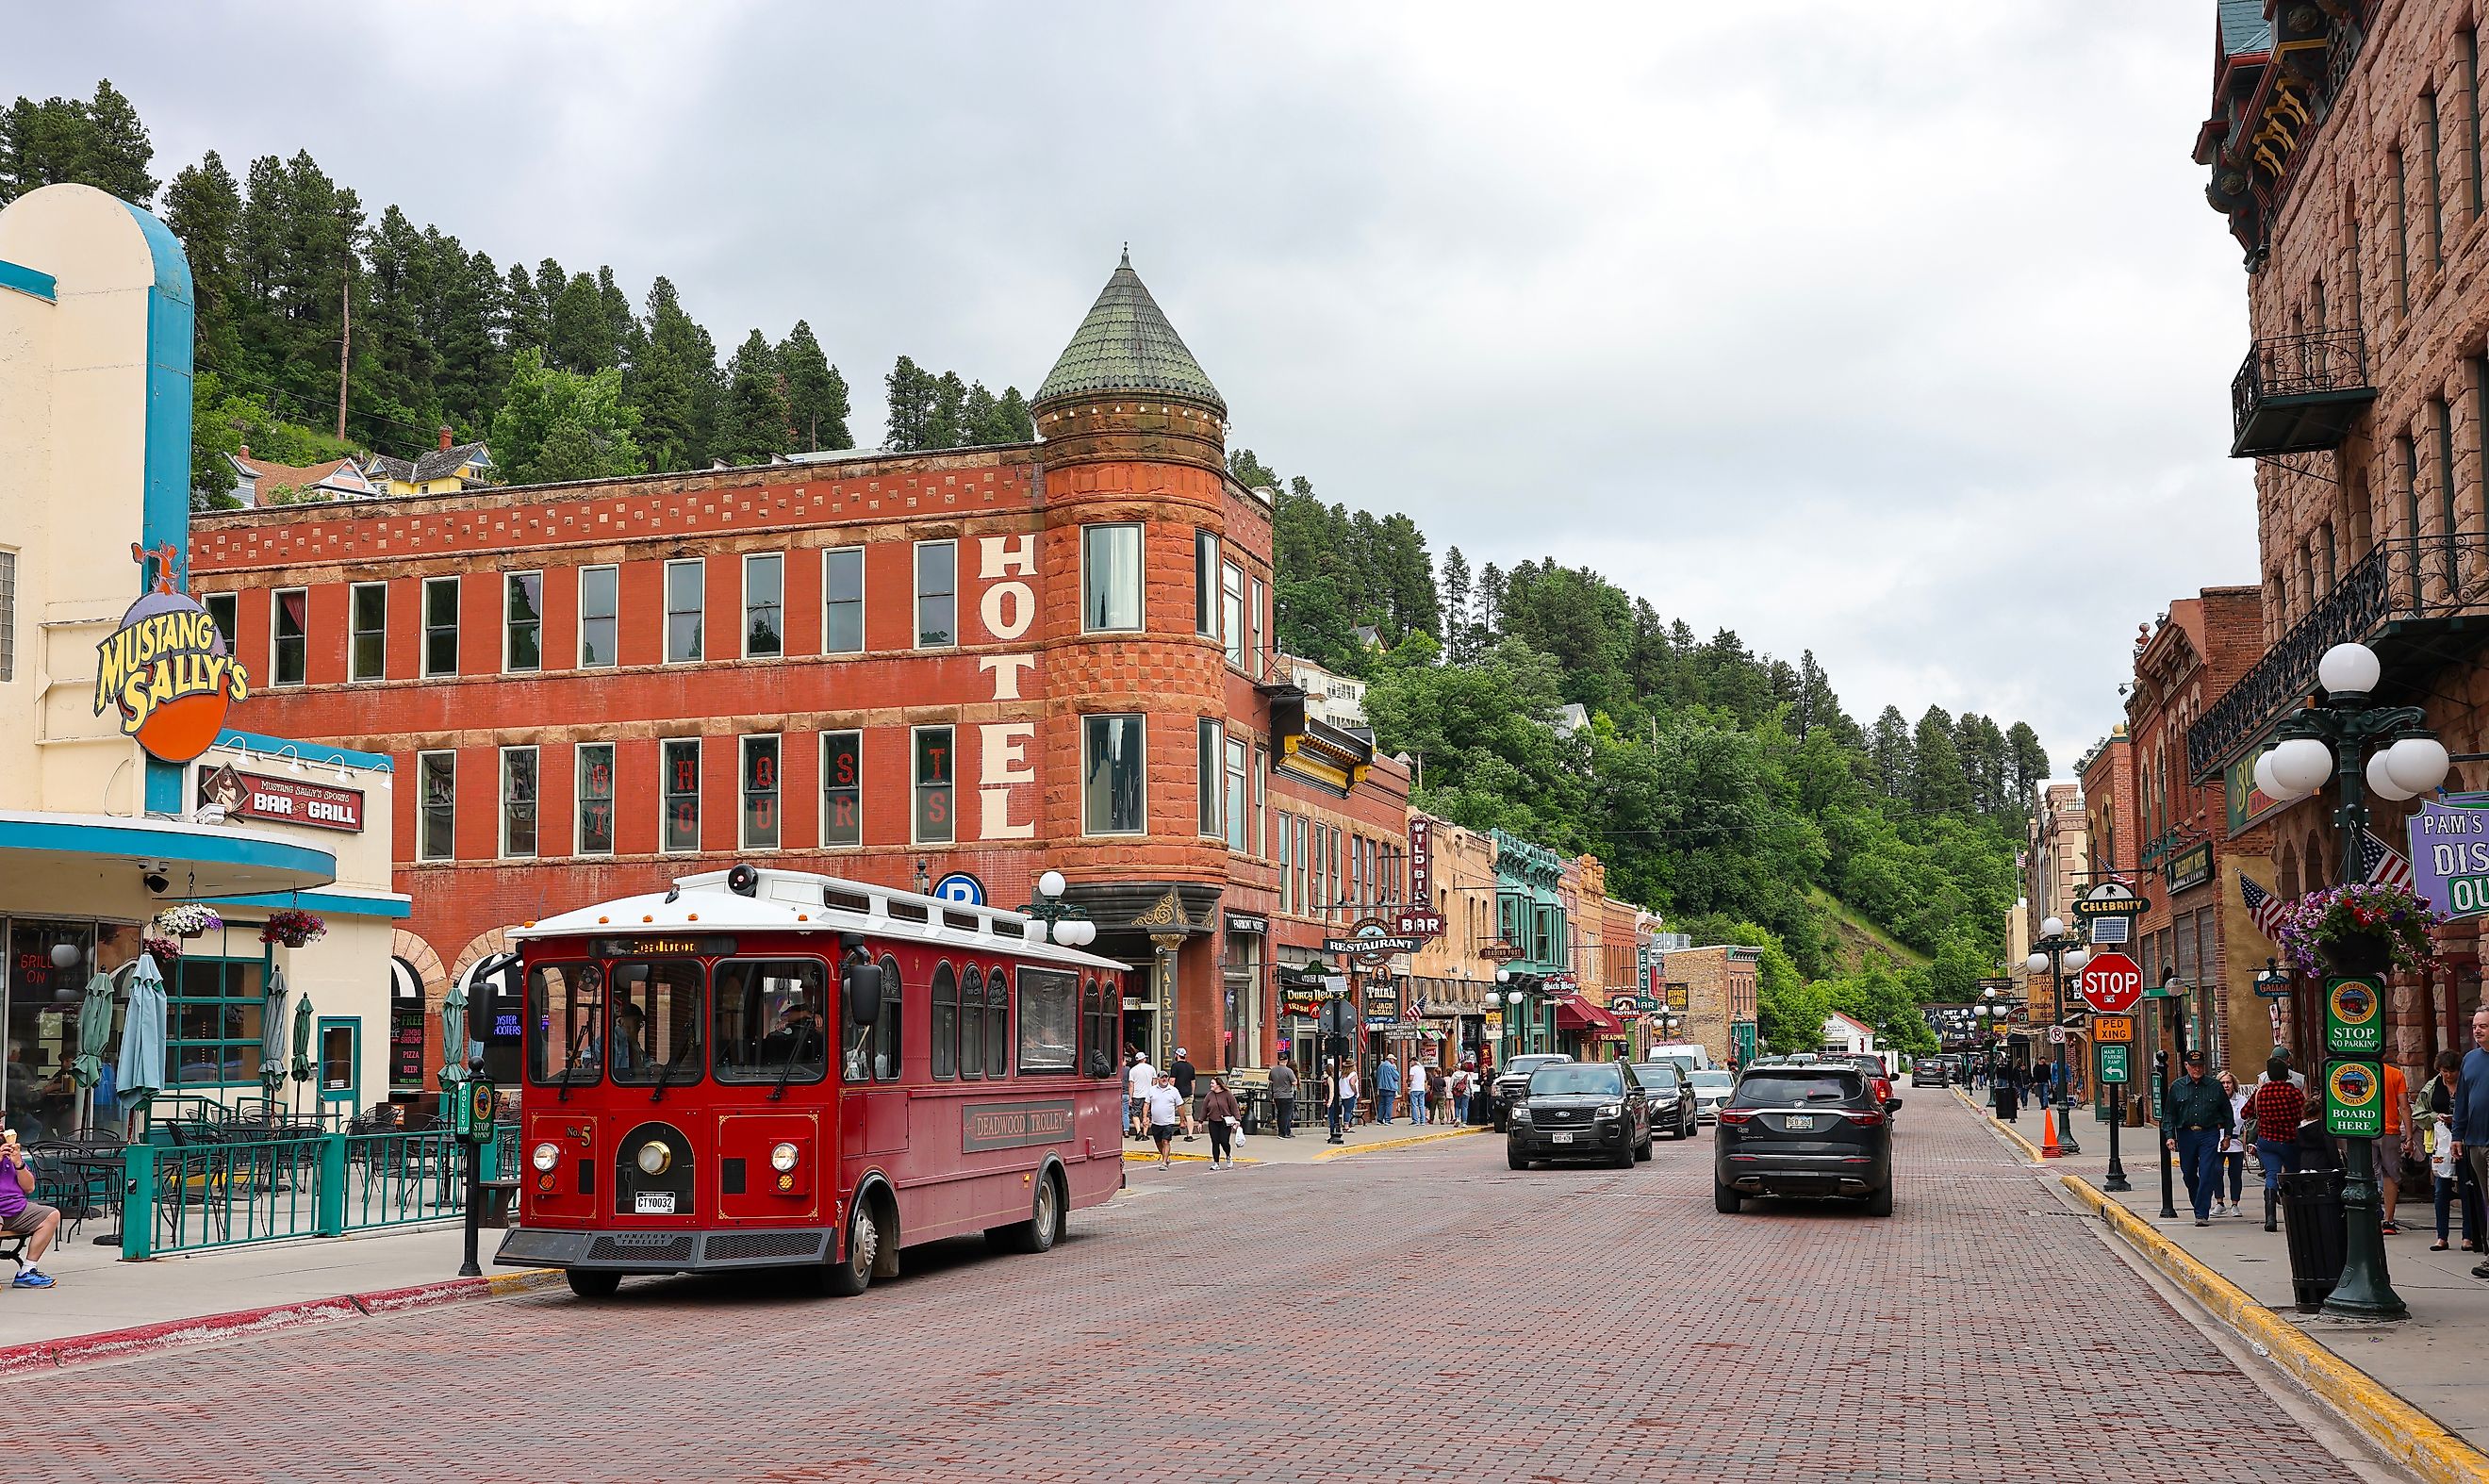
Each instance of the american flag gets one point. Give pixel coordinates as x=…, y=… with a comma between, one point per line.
x=2262, y=906
x=2382, y=863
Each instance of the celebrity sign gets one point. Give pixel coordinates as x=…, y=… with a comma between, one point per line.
x=166, y=672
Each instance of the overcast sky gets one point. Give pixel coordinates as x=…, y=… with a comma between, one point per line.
x=1896, y=330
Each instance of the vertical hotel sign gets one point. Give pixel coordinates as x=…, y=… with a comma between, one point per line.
x=1422, y=860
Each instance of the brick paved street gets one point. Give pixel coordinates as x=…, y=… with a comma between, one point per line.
x=1411, y=1314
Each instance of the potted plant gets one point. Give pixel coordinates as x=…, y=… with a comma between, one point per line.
x=2363, y=929
x=292, y=928
x=190, y=920
x=168, y=951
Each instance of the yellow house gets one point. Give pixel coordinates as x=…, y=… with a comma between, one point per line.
x=445, y=470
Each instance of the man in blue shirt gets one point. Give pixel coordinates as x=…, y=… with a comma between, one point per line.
x=2472, y=1107
x=1386, y=1085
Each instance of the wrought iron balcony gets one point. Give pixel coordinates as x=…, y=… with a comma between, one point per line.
x=2297, y=393
x=2418, y=604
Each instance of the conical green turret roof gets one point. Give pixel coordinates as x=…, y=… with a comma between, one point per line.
x=1126, y=344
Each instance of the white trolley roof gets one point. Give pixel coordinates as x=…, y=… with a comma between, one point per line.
x=807, y=901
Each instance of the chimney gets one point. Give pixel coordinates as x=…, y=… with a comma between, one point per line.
x=444, y=437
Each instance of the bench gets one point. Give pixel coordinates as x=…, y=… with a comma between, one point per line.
x=497, y=1196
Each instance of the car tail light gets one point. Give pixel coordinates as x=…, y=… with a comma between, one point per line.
x=1736, y=1115
x=1865, y=1118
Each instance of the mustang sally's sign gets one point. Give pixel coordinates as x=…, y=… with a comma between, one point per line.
x=166, y=672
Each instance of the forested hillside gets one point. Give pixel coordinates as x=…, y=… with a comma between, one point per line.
x=563, y=370
x=1727, y=788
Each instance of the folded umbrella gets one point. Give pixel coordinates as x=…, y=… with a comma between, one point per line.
x=453, y=1032
x=140, y=1072
x=271, y=1034
x=302, y=1036
x=95, y=1029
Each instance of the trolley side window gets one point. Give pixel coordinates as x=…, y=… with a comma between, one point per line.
x=998, y=1025
x=972, y=1021
x=1049, y=1017
x=946, y=1023
x=1096, y=1027
x=767, y=1020
x=561, y=1025
x=870, y=1053
x=653, y=1027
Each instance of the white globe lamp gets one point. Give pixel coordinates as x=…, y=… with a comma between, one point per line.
x=1051, y=884
x=2417, y=765
x=2078, y=958
x=2381, y=779
x=2052, y=927
x=2270, y=785
x=2348, y=669
x=2036, y=963
x=2301, y=764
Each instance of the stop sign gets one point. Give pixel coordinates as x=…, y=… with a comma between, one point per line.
x=2110, y=983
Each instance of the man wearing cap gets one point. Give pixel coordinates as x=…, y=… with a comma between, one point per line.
x=2194, y=1117
x=1184, y=1077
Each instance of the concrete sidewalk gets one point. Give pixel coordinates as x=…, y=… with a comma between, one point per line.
x=2430, y=1360
x=1310, y=1145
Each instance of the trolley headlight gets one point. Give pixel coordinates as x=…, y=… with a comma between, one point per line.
x=782, y=1157
x=654, y=1157
x=545, y=1156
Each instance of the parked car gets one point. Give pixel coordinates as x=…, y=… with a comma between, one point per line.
x=1878, y=1076
x=1671, y=1097
x=1928, y=1071
x=1711, y=1090
x=1804, y=1130
x=1580, y=1110
x=1512, y=1084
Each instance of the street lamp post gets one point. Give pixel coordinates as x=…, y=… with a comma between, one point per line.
x=2054, y=953
x=2334, y=738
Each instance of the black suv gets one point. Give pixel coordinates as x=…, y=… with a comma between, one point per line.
x=1512, y=1084
x=1581, y=1110
x=1671, y=1098
x=1805, y=1129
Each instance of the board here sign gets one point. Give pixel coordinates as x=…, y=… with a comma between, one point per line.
x=2110, y=983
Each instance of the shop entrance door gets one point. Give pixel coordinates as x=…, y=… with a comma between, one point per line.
x=341, y=1060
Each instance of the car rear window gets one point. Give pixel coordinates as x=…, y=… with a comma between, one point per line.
x=1775, y=1090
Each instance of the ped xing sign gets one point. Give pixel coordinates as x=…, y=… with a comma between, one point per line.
x=2354, y=1106
x=2355, y=1017
x=2449, y=853
x=2113, y=1030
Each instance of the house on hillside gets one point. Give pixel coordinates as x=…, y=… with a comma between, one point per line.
x=445, y=470
x=259, y=481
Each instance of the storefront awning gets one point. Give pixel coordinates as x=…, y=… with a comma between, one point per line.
x=1576, y=1013
x=196, y=861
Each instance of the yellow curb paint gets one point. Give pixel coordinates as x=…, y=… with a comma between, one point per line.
x=1131, y=1157
x=520, y=1282
x=2030, y=1151
x=1418, y=1138
x=2399, y=1430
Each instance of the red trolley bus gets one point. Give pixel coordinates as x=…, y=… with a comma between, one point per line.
x=774, y=1069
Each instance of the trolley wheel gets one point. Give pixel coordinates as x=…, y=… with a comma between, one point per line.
x=591, y=1284
x=852, y=1273
x=1045, y=1222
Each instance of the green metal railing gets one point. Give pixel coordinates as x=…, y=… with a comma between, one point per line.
x=194, y=1196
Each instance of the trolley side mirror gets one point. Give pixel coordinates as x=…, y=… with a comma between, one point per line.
x=860, y=986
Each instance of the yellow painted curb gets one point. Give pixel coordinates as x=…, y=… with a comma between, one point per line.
x=2399, y=1430
x=1150, y=1156
x=521, y=1281
x=1415, y=1138
x=2030, y=1151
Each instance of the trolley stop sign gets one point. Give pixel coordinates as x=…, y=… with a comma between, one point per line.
x=2110, y=983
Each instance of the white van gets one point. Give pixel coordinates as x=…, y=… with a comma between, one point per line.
x=1689, y=1054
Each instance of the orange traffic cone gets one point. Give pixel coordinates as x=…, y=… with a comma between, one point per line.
x=2048, y=1133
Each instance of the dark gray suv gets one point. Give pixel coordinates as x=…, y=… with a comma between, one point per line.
x=1805, y=1129
x=1580, y=1110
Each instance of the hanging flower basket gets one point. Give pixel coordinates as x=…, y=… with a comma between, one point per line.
x=190, y=920
x=291, y=927
x=2366, y=928
x=168, y=951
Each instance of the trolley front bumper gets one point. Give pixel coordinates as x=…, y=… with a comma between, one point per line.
x=667, y=1251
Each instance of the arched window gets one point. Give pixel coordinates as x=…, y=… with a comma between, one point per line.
x=887, y=1040
x=972, y=1025
x=1089, y=1047
x=998, y=1025
x=946, y=1022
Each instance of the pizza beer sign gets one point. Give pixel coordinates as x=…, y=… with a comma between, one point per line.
x=166, y=674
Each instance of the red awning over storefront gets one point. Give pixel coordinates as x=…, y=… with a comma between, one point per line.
x=1576, y=1013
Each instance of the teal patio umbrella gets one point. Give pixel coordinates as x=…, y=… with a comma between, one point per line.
x=272, y=1036
x=453, y=1034
x=303, y=1037
x=95, y=1028
x=140, y=1072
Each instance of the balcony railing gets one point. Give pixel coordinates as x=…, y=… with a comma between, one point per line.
x=2299, y=393
x=2431, y=578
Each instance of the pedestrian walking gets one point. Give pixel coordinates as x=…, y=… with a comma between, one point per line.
x=1221, y=1116
x=1341, y=1079
x=2234, y=1149
x=2388, y=1147
x=21, y=1216
x=1138, y=1078
x=1165, y=1106
x=2449, y=1176
x=2273, y=1112
x=1387, y=1089
x=1416, y=1092
x=2472, y=1111
x=2193, y=1115
x=1283, y=1097
x=1462, y=1081
x=1185, y=1076
x=1439, y=1089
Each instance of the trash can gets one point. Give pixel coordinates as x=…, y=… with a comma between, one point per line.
x=1253, y=1099
x=2311, y=1208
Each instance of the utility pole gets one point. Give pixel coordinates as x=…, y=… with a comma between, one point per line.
x=345, y=340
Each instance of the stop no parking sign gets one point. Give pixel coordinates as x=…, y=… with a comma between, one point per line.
x=2110, y=983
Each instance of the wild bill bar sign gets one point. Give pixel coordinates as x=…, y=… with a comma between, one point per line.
x=2449, y=853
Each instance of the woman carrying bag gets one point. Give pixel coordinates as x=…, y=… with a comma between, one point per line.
x=1219, y=1110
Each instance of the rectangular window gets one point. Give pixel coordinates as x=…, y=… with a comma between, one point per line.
x=843, y=600
x=761, y=793
x=1049, y=1022
x=2469, y=47
x=843, y=788
x=2440, y=410
x=437, y=797
x=1240, y=810
x=2400, y=206
x=935, y=823
x=518, y=802
x=2436, y=191
x=938, y=595
x=679, y=764
x=224, y=608
x=594, y=767
x=522, y=621
x=367, y=630
x=2358, y=277
x=1297, y=828
x=2409, y=451
x=224, y=616
x=1205, y=775
x=1110, y=578
x=291, y=613
x=1111, y=791
x=655, y=1024
x=764, y=606
x=212, y=1022
x=563, y=1001
x=1261, y=805
x=1205, y=582
x=1231, y=611
x=768, y=1021
x=599, y=604
x=441, y=625
x=686, y=585
x=1287, y=893
x=1261, y=601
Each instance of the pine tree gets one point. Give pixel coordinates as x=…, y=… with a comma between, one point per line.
x=1938, y=784
x=472, y=365
x=911, y=391
x=580, y=337
x=117, y=149
x=203, y=208
x=754, y=425
x=1014, y=422
x=394, y=359
x=950, y=398
x=620, y=323
x=100, y=142
x=1891, y=755
x=672, y=384
x=1454, y=583
x=816, y=395
x=2026, y=765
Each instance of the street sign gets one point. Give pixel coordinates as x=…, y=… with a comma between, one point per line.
x=2057, y=1034
x=2449, y=853
x=962, y=887
x=2112, y=1063
x=2355, y=1017
x=1418, y=922
x=2352, y=1100
x=1741, y=1035
x=2110, y=983
x=1371, y=942
x=2113, y=1030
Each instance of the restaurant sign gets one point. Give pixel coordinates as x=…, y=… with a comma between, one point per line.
x=2246, y=804
x=2190, y=868
x=1371, y=942
x=285, y=800
x=166, y=672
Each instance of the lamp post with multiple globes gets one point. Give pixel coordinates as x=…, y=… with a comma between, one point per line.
x=2053, y=953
